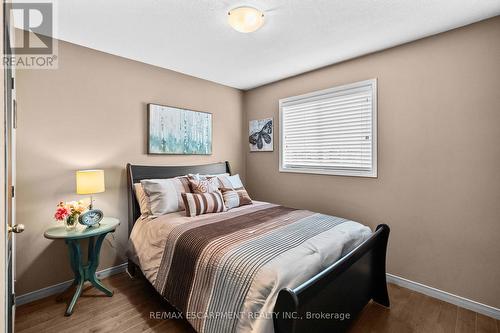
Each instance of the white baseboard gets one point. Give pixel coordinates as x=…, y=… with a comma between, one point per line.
x=445, y=296
x=60, y=287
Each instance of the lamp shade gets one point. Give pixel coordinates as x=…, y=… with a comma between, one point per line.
x=89, y=181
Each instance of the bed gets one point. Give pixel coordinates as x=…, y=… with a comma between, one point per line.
x=256, y=268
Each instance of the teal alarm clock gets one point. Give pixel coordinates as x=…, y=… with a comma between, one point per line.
x=91, y=217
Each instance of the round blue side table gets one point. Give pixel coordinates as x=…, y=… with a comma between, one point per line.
x=84, y=272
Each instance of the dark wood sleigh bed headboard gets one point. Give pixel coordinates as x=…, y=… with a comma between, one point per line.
x=136, y=173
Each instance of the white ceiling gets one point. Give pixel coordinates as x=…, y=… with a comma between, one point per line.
x=193, y=37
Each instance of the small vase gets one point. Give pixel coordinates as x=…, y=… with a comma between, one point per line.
x=71, y=222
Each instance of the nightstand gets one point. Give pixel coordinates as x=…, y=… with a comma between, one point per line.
x=84, y=272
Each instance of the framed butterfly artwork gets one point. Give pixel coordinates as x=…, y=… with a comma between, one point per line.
x=261, y=135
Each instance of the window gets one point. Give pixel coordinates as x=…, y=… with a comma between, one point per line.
x=332, y=131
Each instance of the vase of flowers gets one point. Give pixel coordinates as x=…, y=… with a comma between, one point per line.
x=68, y=212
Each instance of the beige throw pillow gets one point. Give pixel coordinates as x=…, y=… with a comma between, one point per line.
x=142, y=199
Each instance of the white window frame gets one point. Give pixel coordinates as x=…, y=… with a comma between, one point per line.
x=334, y=172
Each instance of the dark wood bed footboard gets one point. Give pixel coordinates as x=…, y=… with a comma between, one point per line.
x=330, y=301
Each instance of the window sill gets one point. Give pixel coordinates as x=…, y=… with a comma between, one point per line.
x=365, y=174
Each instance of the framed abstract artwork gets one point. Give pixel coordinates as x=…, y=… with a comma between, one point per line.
x=261, y=134
x=175, y=131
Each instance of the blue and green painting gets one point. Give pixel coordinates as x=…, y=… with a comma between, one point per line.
x=179, y=131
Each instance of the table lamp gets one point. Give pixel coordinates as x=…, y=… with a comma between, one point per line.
x=90, y=182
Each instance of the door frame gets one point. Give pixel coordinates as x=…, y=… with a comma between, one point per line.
x=3, y=194
x=3, y=218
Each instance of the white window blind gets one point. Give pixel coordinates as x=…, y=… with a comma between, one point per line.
x=331, y=131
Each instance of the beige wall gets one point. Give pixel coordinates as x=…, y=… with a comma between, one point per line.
x=439, y=153
x=91, y=113
x=438, y=184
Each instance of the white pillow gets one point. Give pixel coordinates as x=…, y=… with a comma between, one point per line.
x=165, y=195
x=233, y=182
x=197, y=176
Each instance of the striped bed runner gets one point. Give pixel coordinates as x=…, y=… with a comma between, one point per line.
x=208, y=266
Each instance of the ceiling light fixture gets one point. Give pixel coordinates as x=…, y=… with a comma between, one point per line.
x=245, y=19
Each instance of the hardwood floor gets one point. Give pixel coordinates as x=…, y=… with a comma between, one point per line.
x=130, y=307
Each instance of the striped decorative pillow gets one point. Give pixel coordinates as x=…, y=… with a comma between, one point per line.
x=235, y=198
x=203, y=203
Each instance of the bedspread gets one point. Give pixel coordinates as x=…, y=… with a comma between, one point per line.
x=224, y=271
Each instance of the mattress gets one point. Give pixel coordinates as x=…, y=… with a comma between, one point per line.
x=224, y=271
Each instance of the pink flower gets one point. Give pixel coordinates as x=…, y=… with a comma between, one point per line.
x=61, y=213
